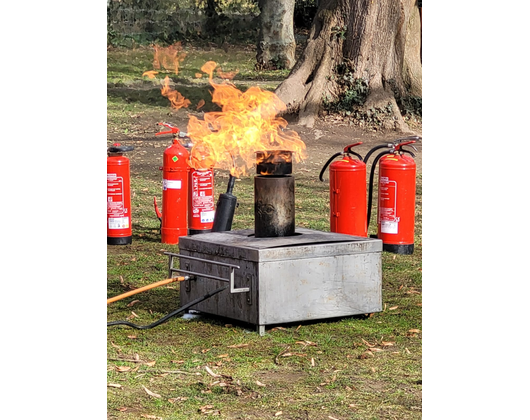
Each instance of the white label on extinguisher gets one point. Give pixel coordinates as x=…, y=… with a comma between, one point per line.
x=172, y=184
x=389, y=227
x=118, y=222
x=387, y=206
x=207, y=216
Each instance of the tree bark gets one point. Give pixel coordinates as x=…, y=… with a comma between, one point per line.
x=379, y=41
x=276, y=43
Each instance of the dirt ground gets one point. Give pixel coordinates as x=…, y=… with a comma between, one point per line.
x=326, y=138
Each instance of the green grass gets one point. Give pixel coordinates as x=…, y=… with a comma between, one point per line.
x=309, y=370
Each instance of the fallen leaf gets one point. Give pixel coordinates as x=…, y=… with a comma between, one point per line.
x=258, y=383
x=151, y=393
x=278, y=413
x=132, y=303
x=393, y=308
x=367, y=343
x=215, y=375
x=122, y=409
x=114, y=385
x=375, y=349
x=132, y=315
x=312, y=362
x=387, y=343
x=132, y=337
x=414, y=330
x=150, y=363
x=123, y=368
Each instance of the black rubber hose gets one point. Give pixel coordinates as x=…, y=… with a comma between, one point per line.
x=172, y=314
x=371, y=187
x=381, y=146
x=327, y=164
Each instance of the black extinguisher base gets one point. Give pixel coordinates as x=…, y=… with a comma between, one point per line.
x=197, y=231
x=124, y=240
x=399, y=249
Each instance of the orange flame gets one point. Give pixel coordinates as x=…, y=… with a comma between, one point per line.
x=247, y=123
x=208, y=68
x=229, y=75
x=177, y=100
x=168, y=57
x=151, y=74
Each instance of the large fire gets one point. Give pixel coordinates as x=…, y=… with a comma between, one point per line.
x=247, y=123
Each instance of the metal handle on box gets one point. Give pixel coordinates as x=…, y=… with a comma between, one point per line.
x=232, y=267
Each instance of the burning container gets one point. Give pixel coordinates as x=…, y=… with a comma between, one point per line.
x=310, y=275
x=274, y=194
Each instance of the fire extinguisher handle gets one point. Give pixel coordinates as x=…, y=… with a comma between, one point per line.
x=327, y=164
x=403, y=139
x=172, y=129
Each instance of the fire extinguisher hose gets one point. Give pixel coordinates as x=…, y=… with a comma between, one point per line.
x=168, y=316
x=327, y=164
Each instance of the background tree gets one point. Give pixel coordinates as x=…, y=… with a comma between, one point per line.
x=369, y=50
x=276, y=43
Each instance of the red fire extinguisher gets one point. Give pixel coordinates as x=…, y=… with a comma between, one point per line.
x=175, y=189
x=201, y=208
x=119, y=229
x=347, y=189
x=396, y=195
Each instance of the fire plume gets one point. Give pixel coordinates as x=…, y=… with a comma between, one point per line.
x=168, y=57
x=247, y=123
x=151, y=74
x=177, y=100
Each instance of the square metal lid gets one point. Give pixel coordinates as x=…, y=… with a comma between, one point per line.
x=306, y=243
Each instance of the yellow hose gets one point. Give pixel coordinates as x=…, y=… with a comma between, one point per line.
x=143, y=289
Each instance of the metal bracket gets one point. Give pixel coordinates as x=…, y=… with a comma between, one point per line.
x=230, y=280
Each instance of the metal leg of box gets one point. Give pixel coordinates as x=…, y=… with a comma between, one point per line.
x=261, y=330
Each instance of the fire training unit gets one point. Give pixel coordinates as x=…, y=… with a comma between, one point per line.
x=175, y=190
x=347, y=190
x=119, y=230
x=396, y=195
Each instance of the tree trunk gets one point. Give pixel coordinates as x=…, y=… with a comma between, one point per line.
x=276, y=43
x=379, y=41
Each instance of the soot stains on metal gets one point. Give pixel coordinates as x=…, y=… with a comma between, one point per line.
x=273, y=206
x=274, y=194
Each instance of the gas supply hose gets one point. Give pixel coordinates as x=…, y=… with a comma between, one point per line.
x=168, y=316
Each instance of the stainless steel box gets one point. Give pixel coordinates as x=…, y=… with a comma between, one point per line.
x=308, y=276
